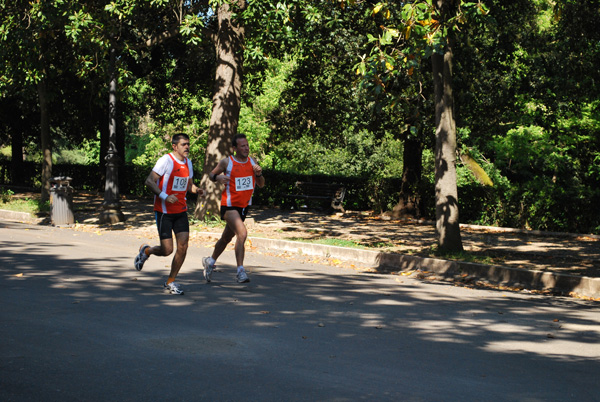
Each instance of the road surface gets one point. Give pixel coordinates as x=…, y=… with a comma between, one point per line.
x=79, y=323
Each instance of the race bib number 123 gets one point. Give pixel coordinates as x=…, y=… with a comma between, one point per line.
x=243, y=183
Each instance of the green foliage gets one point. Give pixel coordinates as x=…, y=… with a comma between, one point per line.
x=154, y=140
x=331, y=88
x=409, y=33
x=261, y=102
x=5, y=152
x=87, y=153
x=6, y=195
x=540, y=127
x=357, y=154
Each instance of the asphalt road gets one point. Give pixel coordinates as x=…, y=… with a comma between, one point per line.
x=78, y=323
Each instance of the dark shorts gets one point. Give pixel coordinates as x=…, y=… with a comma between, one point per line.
x=175, y=223
x=242, y=211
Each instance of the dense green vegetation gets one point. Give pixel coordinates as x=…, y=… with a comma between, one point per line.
x=525, y=74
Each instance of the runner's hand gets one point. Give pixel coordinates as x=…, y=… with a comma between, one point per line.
x=223, y=179
x=172, y=199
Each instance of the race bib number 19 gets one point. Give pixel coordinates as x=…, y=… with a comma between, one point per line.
x=180, y=184
x=243, y=183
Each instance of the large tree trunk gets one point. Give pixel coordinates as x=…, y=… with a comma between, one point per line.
x=409, y=205
x=45, y=139
x=226, y=104
x=446, y=193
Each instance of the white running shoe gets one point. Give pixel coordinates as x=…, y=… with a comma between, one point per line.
x=141, y=258
x=174, y=288
x=208, y=269
x=242, y=277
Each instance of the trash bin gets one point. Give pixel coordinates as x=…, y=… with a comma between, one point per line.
x=61, y=200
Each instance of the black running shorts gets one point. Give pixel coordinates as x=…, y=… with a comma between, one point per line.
x=242, y=211
x=175, y=223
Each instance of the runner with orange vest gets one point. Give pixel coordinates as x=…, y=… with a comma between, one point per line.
x=240, y=174
x=170, y=180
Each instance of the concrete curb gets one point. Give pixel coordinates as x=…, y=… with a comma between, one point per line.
x=16, y=216
x=529, y=279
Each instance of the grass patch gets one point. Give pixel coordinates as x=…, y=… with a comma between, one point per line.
x=211, y=221
x=464, y=256
x=331, y=242
x=33, y=207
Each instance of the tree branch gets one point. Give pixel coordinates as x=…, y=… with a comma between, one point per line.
x=163, y=37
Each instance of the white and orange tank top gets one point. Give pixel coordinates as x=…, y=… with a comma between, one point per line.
x=174, y=178
x=238, y=191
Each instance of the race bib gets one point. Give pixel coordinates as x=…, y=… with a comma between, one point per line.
x=243, y=183
x=180, y=184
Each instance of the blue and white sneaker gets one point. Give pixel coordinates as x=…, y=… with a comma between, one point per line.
x=174, y=288
x=208, y=268
x=242, y=277
x=141, y=258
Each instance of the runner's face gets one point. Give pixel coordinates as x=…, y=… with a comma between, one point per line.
x=242, y=149
x=182, y=148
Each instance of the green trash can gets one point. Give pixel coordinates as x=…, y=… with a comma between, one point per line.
x=61, y=201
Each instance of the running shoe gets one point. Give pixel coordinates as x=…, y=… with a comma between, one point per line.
x=174, y=288
x=242, y=277
x=141, y=258
x=208, y=269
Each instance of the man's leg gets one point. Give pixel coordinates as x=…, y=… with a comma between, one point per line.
x=209, y=262
x=222, y=242
x=164, y=225
x=164, y=249
x=236, y=225
x=182, y=239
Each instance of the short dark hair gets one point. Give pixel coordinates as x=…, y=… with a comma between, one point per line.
x=237, y=137
x=177, y=137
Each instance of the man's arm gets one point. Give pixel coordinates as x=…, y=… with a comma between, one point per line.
x=151, y=181
x=216, y=174
x=192, y=188
x=260, y=179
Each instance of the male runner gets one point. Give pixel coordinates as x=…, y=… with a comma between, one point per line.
x=170, y=180
x=240, y=173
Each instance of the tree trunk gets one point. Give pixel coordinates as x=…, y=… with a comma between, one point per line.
x=45, y=140
x=409, y=203
x=111, y=208
x=226, y=104
x=446, y=193
x=16, y=160
x=103, y=118
x=16, y=144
